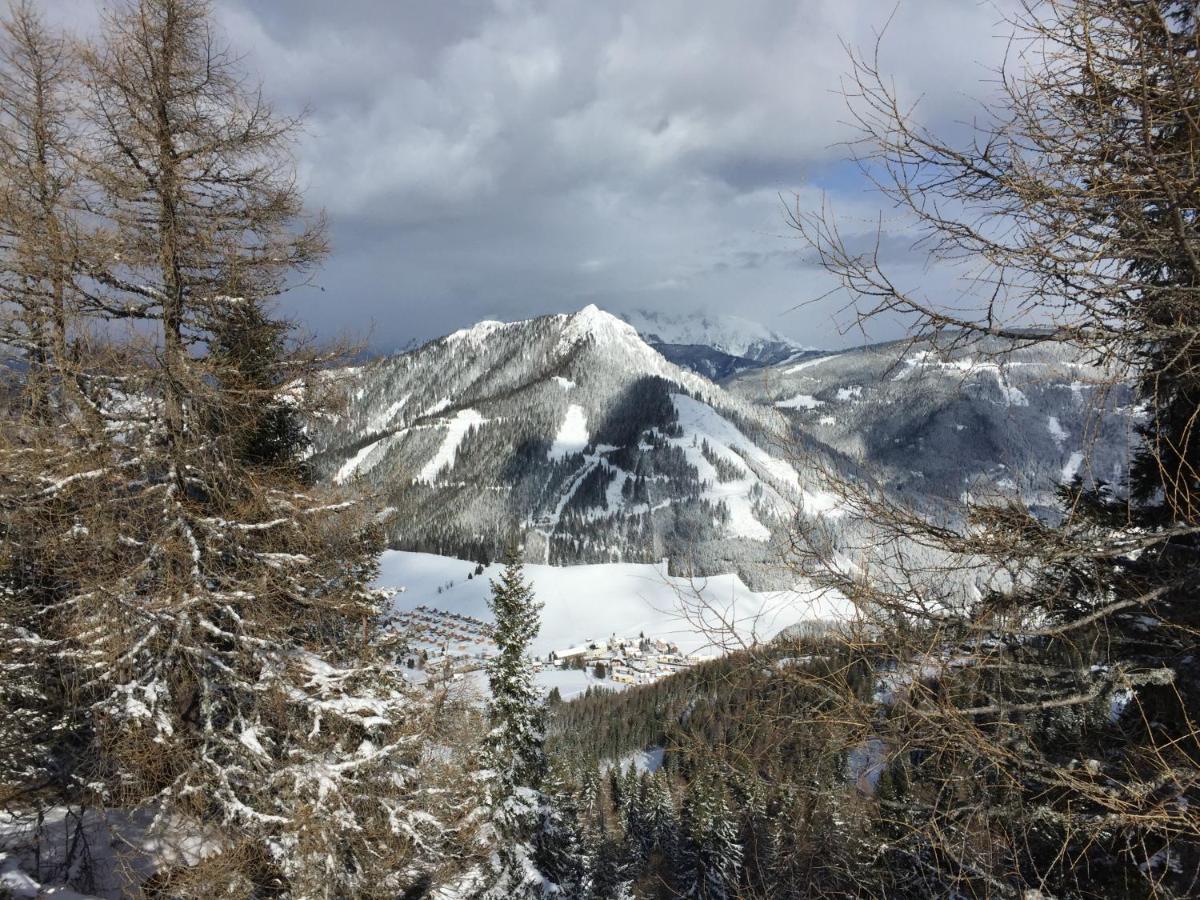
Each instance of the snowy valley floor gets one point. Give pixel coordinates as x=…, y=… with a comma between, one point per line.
x=594, y=602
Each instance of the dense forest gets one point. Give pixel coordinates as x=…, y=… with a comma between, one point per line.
x=754, y=790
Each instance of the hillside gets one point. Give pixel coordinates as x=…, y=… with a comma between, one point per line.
x=572, y=431
x=932, y=422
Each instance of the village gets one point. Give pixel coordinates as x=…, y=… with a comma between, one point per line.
x=448, y=644
x=639, y=660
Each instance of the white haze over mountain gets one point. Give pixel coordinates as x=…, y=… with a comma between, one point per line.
x=729, y=334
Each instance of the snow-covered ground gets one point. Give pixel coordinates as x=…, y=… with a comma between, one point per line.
x=573, y=682
x=350, y=466
x=649, y=760
x=593, y=602
x=115, y=850
x=809, y=363
x=800, y=401
x=1071, y=467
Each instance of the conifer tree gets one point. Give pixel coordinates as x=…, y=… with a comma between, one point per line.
x=247, y=347
x=633, y=814
x=709, y=857
x=515, y=744
x=662, y=822
x=639, y=836
x=610, y=876
x=560, y=850
x=516, y=741
x=614, y=786
x=755, y=834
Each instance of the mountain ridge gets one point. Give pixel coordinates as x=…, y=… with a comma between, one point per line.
x=732, y=335
x=573, y=432
x=713, y=345
x=568, y=429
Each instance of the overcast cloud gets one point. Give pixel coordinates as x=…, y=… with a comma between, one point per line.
x=500, y=158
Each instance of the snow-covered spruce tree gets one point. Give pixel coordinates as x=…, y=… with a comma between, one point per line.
x=647, y=856
x=610, y=875
x=246, y=347
x=634, y=786
x=661, y=820
x=709, y=857
x=755, y=833
x=514, y=746
x=1043, y=725
x=209, y=610
x=560, y=849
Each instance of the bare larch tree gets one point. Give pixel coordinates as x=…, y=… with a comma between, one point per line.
x=39, y=179
x=206, y=611
x=1037, y=684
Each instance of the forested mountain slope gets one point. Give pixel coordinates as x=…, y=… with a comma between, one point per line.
x=573, y=432
x=935, y=421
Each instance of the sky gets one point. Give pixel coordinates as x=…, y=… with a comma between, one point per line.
x=499, y=159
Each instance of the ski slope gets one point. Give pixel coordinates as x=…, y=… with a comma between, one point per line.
x=456, y=430
x=572, y=435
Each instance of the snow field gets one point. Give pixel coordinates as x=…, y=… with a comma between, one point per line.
x=595, y=601
x=572, y=435
x=800, y=401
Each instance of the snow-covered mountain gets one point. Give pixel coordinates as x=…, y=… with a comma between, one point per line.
x=729, y=334
x=934, y=422
x=571, y=431
x=716, y=346
x=574, y=433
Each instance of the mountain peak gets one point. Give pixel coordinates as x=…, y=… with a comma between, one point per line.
x=592, y=321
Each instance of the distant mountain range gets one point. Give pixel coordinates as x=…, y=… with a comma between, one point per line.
x=715, y=346
x=935, y=423
x=575, y=433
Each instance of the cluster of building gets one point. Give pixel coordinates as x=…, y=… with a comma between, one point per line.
x=445, y=633
x=448, y=644
x=639, y=660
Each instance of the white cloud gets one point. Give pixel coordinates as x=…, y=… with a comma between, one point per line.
x=518, y=156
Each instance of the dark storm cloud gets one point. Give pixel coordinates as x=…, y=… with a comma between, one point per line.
x=502, y=158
